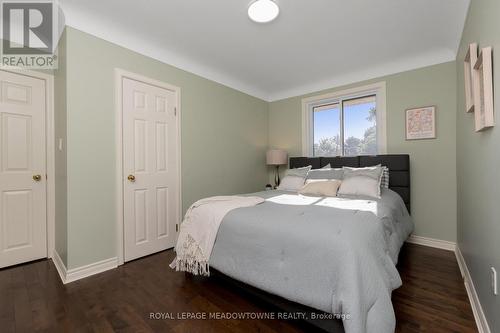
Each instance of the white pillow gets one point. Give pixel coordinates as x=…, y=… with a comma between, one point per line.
x=374, y=172
x=322, y=188
x=360, y=185
x=291, y=183
x=294, y=179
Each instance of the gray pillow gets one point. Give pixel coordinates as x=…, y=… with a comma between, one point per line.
x=336, y=173
x=298, y=172
x=374, y=172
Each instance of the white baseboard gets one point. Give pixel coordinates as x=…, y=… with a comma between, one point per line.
x=432, y=242
x=61, y=268
x=477, y=310
x=71, y=275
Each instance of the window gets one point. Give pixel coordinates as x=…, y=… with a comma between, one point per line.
x=327, y=138
x=347, y=123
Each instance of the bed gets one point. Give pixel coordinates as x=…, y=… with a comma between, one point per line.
x=332, y=259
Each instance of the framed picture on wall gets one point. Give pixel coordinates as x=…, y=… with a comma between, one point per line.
x=469, y=62
x=483, y=90
x=421, y=123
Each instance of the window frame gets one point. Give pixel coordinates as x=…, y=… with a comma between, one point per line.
x=308, y=104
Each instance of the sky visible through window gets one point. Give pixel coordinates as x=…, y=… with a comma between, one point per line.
x=326, y=123
x=356, y=119
x=359, y=129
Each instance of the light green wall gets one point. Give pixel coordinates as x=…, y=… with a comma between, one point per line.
x=224, y=138
x=61, y=227
x=433, y=165
x=478, y=165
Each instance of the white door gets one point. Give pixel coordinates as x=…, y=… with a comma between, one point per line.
x=150, y=168
x=23, y=235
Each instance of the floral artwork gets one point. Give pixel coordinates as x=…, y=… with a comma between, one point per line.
x=421, y=123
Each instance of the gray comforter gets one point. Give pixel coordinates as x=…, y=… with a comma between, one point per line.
x=337, y=255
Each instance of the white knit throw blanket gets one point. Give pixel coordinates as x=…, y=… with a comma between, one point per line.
x=199, y=229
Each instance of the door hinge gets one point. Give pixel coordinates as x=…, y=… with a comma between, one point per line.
x=177, y=228
x=175, y=111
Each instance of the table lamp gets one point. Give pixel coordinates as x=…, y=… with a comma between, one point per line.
x=276, y=157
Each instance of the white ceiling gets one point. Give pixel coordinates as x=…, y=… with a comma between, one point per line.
x=312, y=45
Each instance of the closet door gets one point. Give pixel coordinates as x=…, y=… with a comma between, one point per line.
x=150, y=168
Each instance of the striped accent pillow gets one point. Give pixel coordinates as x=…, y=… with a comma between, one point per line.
x=384, y=181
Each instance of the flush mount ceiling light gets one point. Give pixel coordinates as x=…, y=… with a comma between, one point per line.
x=263, y=11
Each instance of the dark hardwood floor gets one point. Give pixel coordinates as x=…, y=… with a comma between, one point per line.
x=32, y=299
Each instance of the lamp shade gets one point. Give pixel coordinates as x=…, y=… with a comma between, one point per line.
x=276, y=157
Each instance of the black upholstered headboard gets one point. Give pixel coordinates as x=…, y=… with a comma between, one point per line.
x=399, y=168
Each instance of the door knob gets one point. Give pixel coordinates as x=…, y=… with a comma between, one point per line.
x=37, y=178
x=131, y=178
